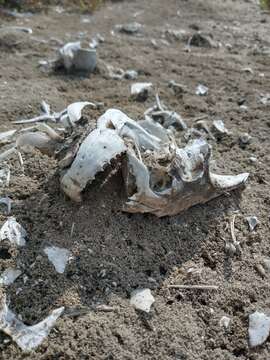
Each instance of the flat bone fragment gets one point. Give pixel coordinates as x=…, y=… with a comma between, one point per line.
x=9, y=276
x=38, y=140
x=95, y=153
x=58, y=256
x=14, y=232
x=6, y=201
x=27, y=337
x=140, y=91
x=142, y=299
x=259, y=328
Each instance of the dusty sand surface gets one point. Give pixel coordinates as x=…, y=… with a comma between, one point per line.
x=114, y=252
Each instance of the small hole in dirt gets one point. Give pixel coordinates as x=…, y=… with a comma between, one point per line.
x=162, y=270
x=169, y=302
x=179, y=297
x=239, y=352
x=148, y=272
x=4, y=254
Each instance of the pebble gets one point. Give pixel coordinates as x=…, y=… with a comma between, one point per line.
x=142, y=299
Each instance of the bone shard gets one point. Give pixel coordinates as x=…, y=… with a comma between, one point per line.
x=27, y=337
x=14, y=232
x=58, y=256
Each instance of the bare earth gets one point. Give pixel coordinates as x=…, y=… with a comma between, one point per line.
x=114, y=252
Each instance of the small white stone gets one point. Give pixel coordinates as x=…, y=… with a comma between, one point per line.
x=224, y=322
x=14, y=232
x=201, y=90
x=139, y=88
x=252, y=222
x=142, y=299
x=259, y=328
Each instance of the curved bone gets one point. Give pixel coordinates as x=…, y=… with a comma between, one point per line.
x=126, y=127
x=96, y=151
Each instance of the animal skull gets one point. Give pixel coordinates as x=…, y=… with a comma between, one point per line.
x=160, y=177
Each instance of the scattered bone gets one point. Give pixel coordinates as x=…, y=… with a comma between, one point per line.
x=9, y=276
x=194, y=287
x=119, y=74
x=165, y=117
x=59, y=257
x=67, y=117
x=224, y=322
x=4, y=176
x=235, y=243
x=259, y=328
x=248, y=70
x=140, y=91
x=178, y=89
x=6, y=137
x=219, y=128
x=131, y=28
x=245, y=139
x=253, y=159
x=266, y=264
x=27, y=337
x=200, y=40
x=202, y=124
x=73, y=57
x=98, y=39
x=17, y=28
x=14, y=232
x=201, y=90
x=261, y=270
x=252, y=222
x=142, y=299
x=265, y=99
x=6, y=201
x=179, y=35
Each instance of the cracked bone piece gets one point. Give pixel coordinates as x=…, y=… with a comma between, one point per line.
x=219, y=128
x=14, y=232
x=58, y=256
x=131, y=28
x=189, y=182
x=142, y=299
x=201, y=90
x=73, y=56
x=9, y=276
x=140, y=91
x=96, y=151
x=252, y=222
x=27, y=337
x=259, y=328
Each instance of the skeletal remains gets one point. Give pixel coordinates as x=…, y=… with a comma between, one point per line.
x=160, y=177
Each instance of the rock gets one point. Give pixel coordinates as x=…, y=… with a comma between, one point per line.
x=9, y=276
x=252, y=222
x=140, y=91
x=245, y=139
x=201, y=90
x=131, y=28
x=218, y=127
x=14, y=232
x=200, y=40
x=259, y=328
x=266, y=264
x=142, y=299
x=224, y=322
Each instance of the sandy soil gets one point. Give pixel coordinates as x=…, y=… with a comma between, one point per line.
x=113, y=252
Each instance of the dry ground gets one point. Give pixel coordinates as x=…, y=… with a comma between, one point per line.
x=115, y=253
